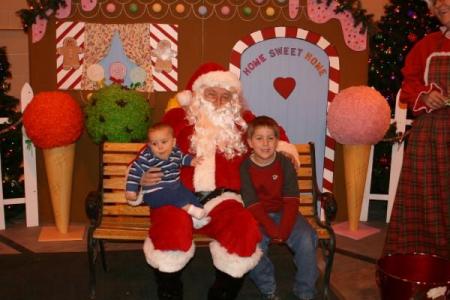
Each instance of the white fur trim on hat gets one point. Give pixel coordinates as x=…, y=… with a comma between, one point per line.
x=184, y=97
x=166, y=261
x=430, y=3
x=232, y=264
x=223, y=79
x=209, y=206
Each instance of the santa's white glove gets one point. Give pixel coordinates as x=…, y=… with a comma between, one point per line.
x=199, y=223
x=291, y=150
x=196, y=212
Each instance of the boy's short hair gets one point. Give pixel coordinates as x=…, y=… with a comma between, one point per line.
x=160, y=126
x=263, y=121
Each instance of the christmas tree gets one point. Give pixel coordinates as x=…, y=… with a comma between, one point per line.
x=403, y=24
x=10, y=135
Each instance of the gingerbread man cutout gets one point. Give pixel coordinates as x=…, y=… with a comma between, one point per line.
x=70, y=52
x=164, y=55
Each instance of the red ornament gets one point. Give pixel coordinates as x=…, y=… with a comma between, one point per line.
x=384, y=161
x=412, y=37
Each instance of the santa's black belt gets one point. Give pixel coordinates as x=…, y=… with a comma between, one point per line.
x=204, y=197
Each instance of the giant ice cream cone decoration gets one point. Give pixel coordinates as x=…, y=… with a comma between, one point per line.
x=358, y=117
x=54, y=121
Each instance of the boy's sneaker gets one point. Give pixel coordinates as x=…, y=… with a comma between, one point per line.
x=271, y=297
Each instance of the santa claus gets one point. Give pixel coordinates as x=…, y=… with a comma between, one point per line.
x=210, y=122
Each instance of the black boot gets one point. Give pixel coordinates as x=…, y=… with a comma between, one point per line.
x=169, y=285
x=225, y=287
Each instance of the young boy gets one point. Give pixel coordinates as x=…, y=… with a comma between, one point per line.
x=161, y=152
x=269, y=190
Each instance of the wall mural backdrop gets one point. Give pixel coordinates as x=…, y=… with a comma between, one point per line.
x=293, y=57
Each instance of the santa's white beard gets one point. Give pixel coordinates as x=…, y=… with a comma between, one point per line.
x=215, y=129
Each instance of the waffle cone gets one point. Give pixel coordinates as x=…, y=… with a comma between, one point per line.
x=59, y=167
x=356, y=161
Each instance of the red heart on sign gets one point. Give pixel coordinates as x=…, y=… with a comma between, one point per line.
x=284, y=86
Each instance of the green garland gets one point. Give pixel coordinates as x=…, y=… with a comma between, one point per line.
x=42, y=8
x=359, y=14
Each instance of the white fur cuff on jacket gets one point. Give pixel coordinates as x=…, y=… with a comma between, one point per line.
x=233, y=264
x=166, y=261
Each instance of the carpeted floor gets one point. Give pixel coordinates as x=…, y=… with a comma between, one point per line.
x=64, y=276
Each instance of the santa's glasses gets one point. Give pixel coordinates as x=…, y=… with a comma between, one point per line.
x=216, y=95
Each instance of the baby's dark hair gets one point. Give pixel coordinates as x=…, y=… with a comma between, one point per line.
x=160, y=126
x=263, y=121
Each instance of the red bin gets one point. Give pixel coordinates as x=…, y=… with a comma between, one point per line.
x=413, y=276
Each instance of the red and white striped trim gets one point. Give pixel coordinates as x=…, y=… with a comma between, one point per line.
x=69, y=79
x=334, y=76
x=165, y=81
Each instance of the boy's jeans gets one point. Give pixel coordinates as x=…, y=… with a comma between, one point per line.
x=303, y=242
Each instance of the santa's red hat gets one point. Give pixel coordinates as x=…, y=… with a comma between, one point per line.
x=209, y=75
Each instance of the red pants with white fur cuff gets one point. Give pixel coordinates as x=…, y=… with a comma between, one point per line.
x=235, y=235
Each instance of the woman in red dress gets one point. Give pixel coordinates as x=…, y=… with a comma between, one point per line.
x=420, y=217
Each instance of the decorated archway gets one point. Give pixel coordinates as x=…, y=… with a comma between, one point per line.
x=292, y=75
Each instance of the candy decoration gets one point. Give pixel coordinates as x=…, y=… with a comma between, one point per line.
x=110, y=7
x=137, y=76
x=133, y=8
x=202, y=10
x=270, y=11
x=321, y=13
x=294, y=6
x=225, y=10
x=180, y=8
x=38, y=29
x=88, y=5
x=64, y=12
x=96, y=73
x=157, y=8
x=247, y=11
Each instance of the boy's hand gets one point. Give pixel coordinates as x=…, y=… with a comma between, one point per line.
x=131, y=195
x=151, y=177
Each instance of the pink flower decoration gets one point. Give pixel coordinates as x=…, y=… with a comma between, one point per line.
x=358, y=115
x=53, y=119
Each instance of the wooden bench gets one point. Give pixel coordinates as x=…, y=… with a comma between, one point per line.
x=112, y=219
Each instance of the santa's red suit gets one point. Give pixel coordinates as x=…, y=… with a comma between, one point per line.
x=234, y=231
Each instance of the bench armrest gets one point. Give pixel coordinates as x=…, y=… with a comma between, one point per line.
x=93, y=208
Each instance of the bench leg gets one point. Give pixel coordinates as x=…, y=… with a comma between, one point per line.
x=103, y=255
x=91, y=245
x=328, y=248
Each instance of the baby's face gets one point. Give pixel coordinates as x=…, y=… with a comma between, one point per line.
x=161, y=142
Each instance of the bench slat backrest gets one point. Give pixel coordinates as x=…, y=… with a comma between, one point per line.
x=116, y=158
x=305, y=180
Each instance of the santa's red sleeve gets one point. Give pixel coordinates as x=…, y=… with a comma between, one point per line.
x=176, y=117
